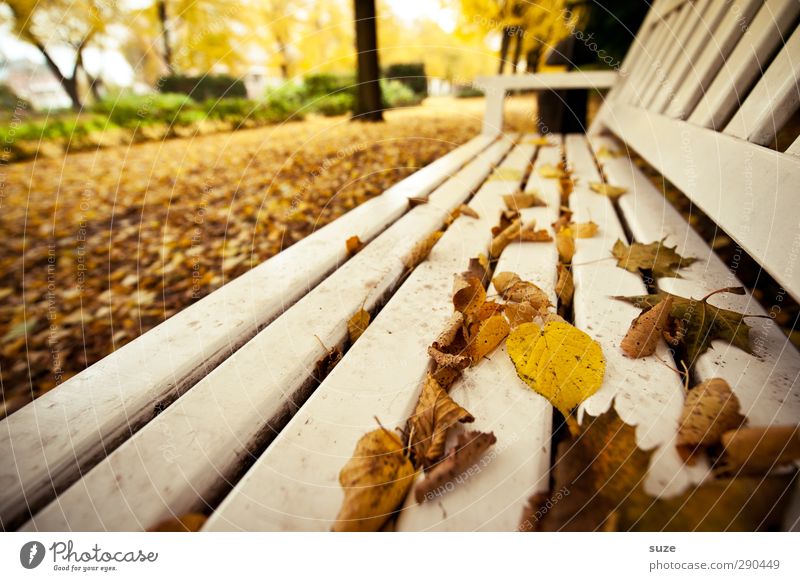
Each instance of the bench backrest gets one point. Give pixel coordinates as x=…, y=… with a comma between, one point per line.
x=707, y=95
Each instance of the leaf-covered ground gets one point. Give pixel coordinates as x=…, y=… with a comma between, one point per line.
x=100, y=247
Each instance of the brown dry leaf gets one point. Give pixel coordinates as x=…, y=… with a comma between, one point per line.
x=710, y=410
x=468, y=294
x=642, y=337
x=584, y=229
x=506, y=218
x=187, y=523
x=450, y=360
x=529, y=235
x=519, y=313
x=505, y=238
x=565, y=244
x=469, y=448
x=656, y=256
x=503, y=281
x=521, y=200
x=434, y=414
x=565, y=286
x=357, y=324
x=488, y=336
x=468, y=211
x=375, y=482
x=448, y=350
x=607, y=189
x=759, y=450
x=479, y=266
x=415, y=201
x=516, y=290
x=325, y=365
x=422, y=249
x=353, y=245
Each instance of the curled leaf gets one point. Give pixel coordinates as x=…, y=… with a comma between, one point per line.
x=460, y=463
x=468, y=294
x=710, y=410
x=375, y=481
x=565, y=244
x=642, y=337
x=607, y=189
x=465, y=210
x=505, y=238
x=558, y=361
x=422, y=249
x=565, y=286
x=353, y=245
x=435, y=413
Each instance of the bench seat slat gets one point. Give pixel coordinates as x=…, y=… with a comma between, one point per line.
x=215, y=426
x=520, y=418
x=645, y=393
x=294, y=484
x=51, y=441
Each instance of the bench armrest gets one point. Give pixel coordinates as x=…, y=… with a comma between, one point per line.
x=495, y=88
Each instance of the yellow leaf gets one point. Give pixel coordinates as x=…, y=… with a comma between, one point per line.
x=565, y=243
x=521, y=201
x=551, y=172
x=607, y=189
x=490, y=333
x=375, y=481
x=353, y=245
x=559, y=361
x=422, y=249
x=585, y=229
x=607, y=153
x=357, y=324
x=508, y=174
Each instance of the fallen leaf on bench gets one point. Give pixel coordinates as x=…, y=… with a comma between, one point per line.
x=435, y=413
x=565, y=244
x=607, y=189
x=489, y=335
x=565, y=286
x=514, y=289
x=710, y=410
x=462, y=462
x=467, y=211
x=353, y=245
x=535, y=236
x=758, y=450
x=325, y=365
x=645, y=331
x=584, y=229
x=479, y=266
x=597, y=470
x=550, y=171
x=187, y=523
x=520, y=201
x=558, y=361
x=449, y=360
x=505, y=238
x=414, y=201
x=607, y=153
x=422, y=249
x=539, y=141
x=468, y=294
x=700, y=322
x=519, y=313
x=508, y=174
x=661, y=259
x=357, y=324
x=375, y=481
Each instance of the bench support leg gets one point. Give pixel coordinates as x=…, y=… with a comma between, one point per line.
x=493, y=117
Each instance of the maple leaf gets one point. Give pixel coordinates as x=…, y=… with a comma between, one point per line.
x=375, y=480
x=701, y=322
x=661, y=259
x=558, y=361
x=435, y=413
x=469, y=448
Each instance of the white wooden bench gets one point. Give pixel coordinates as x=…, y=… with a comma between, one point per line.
x=218, y=410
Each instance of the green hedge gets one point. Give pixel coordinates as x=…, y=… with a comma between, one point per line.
x=412, y=75
x=202, y=88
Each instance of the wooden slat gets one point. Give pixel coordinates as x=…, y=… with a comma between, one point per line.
x=766, y=383
x=634, y=85
x=773, y=100
x=697, y=43
x=211, y=430
x=294, y=484
x=744, y=188
x=678, y=30
x=704, y=70
x=520, y=418
x=645, y=393
x=794, y=148
x=746, y=64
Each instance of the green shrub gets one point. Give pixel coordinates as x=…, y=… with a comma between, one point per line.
x=324, y=84
x=412, y=75
x=131, y=111
x=62, y=128
x=202, y=88
x=466, y=91
x=335, y=104
x=285, y=101
x=396, y=94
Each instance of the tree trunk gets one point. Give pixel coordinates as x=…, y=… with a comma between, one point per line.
x=162, y=18
x=70, y=85
x=504, y=45
x=369, y=106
